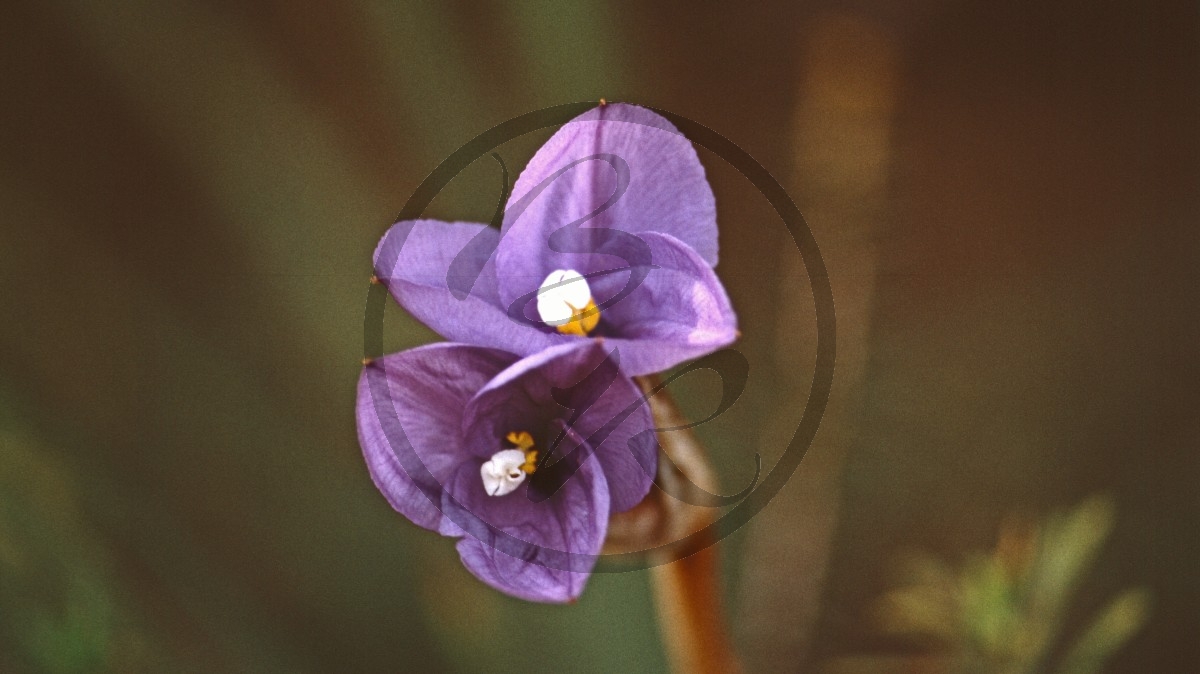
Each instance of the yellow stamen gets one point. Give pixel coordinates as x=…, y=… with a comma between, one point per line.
x=530, y=464
x=582, y=320
x=524, y=442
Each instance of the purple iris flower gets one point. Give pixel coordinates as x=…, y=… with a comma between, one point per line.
x=522, y=459
x=610, y=232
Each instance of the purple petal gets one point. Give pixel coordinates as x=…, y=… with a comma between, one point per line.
x=679, y=311
x=444, y=274
x=619, y=152
x=409, y=415
x=539, y=551
x=579, y=384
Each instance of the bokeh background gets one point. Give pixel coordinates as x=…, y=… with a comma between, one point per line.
x=1005, y=193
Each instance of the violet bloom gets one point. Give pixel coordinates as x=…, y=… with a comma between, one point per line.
x=610, y=232
x=521, y=459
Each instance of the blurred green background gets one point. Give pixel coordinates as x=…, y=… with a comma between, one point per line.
x=1006, y=195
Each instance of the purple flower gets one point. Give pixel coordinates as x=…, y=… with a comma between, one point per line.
x=522, y=459
x=610, y=232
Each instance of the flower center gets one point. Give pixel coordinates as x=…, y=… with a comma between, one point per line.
x=506, y=470
x=564, y=301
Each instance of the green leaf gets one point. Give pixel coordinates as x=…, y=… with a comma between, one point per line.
x=1108, y=632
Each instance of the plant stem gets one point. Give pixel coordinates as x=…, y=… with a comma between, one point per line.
x=687, y=595
x=687, y=590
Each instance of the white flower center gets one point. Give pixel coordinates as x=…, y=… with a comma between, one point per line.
x=564, y=301
x=557, y=304
x=503, y=473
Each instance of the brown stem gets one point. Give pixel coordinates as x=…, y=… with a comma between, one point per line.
x=687, y=591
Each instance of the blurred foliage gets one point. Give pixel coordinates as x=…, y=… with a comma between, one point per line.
x=1003, y=612
x=62, y=611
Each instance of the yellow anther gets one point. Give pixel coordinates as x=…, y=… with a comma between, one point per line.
x=530, y=464
x=521, y=439
x=582, y=320
x=524, y=442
